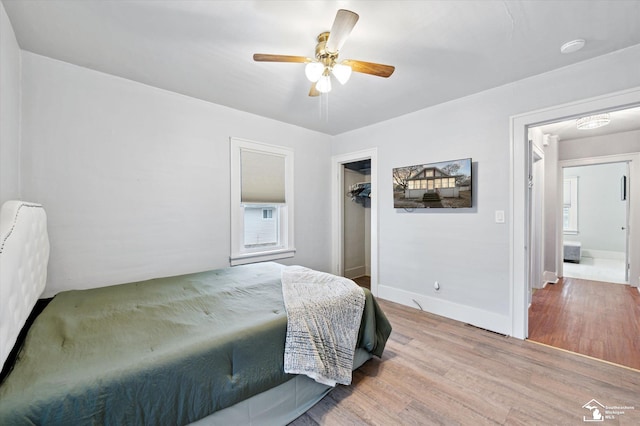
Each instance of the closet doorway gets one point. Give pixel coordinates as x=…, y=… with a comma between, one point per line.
x=355, y=217
x=356, y=222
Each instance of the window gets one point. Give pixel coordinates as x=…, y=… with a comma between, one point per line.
x=570, y=205
x=260, y=228
x=261, y=202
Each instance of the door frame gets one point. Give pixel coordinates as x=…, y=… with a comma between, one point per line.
x=633, y=161
x=518, y=229
x=337, y=209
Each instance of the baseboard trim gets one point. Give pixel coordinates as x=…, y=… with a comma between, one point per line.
x=436, y=305
x=549, y=277
x=603, y=254
x=356, y=272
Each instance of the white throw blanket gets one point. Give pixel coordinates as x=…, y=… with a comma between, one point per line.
x=323, y=319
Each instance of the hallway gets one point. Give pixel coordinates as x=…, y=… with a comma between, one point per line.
x=597, y=319
x=596, y=269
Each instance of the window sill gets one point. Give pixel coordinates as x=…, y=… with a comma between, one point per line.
x=264, y=256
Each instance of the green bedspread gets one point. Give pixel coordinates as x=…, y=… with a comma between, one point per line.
x=163, y=351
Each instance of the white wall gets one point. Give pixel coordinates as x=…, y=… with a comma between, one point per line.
x=465, y=250
x=598, y=146
x=9, y=111
x=135, y=179
x=601, y=212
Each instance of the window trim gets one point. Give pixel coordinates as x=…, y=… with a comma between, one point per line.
x=572, y=206
x=239, y=255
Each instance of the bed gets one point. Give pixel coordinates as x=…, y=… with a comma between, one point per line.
x=203, y=348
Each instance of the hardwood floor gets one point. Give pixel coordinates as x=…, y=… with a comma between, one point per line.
x=363, y=281
x=592, y=318
x=439, y=371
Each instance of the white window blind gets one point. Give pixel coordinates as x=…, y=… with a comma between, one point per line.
x=263, y=177
x=261, y=202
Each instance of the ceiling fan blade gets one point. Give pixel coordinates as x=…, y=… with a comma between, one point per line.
x=379, y=70
x=265, y=57
x=313, y=91
x=340, y=30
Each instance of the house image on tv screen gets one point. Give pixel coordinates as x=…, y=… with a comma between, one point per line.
x=437, y=185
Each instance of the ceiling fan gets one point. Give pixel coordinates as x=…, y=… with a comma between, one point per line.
x=319, y=69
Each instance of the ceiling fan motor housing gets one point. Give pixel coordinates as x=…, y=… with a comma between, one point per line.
x=322, y=54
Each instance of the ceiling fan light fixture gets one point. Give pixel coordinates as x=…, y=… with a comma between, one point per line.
x=341, y=72
x=313, y=71
x=593, y=121
x=318, y=69
x=324, y=84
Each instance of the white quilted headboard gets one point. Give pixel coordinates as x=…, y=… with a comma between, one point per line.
x=24, y=254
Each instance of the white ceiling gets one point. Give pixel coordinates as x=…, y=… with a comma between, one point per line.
x=442, y=50
x=623, y=120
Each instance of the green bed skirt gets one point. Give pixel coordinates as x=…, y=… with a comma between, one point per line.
x=164, y=351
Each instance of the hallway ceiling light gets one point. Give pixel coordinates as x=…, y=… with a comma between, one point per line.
x=572, y=46
x=593, y=121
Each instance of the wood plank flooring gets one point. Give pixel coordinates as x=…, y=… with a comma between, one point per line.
x=363, y=281
x=439, y=371
x=592, y=318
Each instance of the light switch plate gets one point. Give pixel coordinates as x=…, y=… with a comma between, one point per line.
x=499, y=216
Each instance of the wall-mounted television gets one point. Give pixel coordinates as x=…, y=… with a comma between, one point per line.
x=446, y=184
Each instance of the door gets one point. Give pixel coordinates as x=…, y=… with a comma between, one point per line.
x=536, y=197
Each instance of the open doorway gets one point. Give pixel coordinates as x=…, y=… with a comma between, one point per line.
x=589, y=209
x=595, y=222
x=598, y=227
x=519, y=236
x=356, y=224
x=362, y=182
